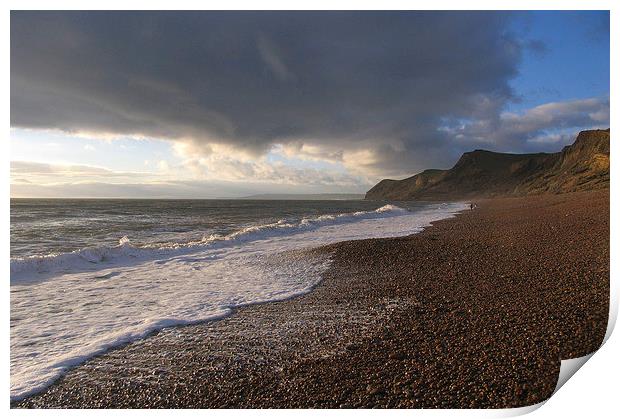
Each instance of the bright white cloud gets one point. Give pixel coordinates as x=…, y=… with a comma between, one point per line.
x=306, y=166
x=224, y=163
x=45, y=173
x=163, y=166
x=536, y=128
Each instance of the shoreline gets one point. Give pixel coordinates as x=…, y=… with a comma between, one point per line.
x=295, y=257
x=475, y=311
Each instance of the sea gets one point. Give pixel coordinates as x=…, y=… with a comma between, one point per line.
x=87, y=275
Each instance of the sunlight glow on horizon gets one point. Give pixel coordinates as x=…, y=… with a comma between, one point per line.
x=266, y=121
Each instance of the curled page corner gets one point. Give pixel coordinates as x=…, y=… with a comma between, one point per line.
x=568, y=368
x=518, y=411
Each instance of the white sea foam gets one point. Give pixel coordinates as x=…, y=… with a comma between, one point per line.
x=66, y=308
x=125, y=252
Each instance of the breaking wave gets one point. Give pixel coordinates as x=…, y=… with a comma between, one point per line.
x=85, y=258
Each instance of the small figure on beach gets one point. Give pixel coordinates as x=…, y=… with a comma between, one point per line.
x=472, y=206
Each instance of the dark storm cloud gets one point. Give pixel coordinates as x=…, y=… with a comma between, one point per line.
x=382, y=82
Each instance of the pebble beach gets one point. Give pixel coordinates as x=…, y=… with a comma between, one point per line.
x=476, y=311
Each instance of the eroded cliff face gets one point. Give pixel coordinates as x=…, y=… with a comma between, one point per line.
x=584, y=165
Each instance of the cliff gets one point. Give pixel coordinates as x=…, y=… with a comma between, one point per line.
x=584, y=165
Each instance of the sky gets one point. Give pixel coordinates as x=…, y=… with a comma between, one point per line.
x=227, y=104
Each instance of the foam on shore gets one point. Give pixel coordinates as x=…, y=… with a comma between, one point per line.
x=95, y=300
x=24, y=268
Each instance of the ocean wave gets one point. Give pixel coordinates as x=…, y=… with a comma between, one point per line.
x=87, y=257
x=83, y=311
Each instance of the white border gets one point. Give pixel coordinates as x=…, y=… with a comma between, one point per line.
x=313, y=5
x=593, y=392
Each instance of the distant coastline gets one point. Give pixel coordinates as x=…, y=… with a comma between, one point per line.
x=307, y=197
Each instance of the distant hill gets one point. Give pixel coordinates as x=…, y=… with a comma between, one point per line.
x=584, y=165
x=307, y=197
